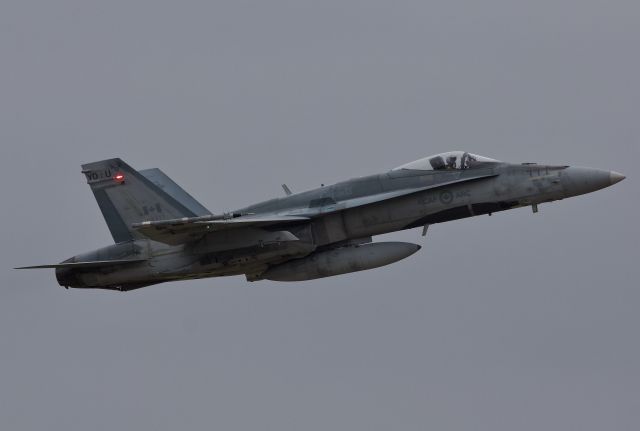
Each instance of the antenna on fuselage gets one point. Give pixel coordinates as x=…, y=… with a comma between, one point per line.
x=286, y=189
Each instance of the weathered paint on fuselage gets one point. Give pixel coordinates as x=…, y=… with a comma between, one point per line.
x=512, y=185
x=251, y=252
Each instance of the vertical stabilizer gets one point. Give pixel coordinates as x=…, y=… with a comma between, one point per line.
x=126, y=197
x=162, y=180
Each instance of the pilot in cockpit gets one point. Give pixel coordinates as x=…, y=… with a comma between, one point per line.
x=437, y=163
x=451, y=162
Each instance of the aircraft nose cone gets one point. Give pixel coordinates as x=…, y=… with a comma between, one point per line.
x=577, y=180
x=615, y=177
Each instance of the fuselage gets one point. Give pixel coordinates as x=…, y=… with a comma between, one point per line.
x=343, y=214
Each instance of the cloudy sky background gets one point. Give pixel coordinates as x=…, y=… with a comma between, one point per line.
x=516, y=321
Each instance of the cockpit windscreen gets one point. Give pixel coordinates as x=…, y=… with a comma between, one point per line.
x=453, y=160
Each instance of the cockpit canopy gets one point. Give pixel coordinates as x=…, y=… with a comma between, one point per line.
x=457, y=160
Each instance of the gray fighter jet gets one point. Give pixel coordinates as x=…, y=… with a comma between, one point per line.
x=161, y=233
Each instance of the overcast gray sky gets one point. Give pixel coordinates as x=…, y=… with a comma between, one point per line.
x=511, y=322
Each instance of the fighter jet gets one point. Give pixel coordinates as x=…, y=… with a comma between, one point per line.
x=162, y=233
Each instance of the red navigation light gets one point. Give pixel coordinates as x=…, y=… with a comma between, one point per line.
x=119, y=177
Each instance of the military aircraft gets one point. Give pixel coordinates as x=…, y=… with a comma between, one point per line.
x=162, y=233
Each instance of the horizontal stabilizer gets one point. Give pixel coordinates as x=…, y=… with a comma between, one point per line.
x=92, y=264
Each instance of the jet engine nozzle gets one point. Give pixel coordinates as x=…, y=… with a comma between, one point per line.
x=67, y=277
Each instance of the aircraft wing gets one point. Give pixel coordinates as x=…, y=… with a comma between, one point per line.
x=180, y=231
